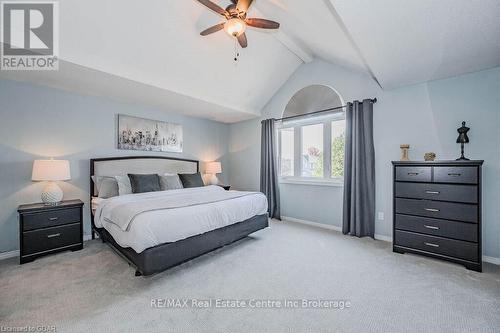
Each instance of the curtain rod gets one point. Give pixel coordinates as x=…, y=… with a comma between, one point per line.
x=373, y=100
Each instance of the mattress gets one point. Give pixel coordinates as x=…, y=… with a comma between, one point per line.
x=154, y=227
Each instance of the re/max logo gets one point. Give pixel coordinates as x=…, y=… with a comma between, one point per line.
x=169, y=303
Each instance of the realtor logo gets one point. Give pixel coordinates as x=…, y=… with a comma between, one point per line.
x=30, y=35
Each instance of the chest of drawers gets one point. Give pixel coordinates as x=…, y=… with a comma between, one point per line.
x=437, y=210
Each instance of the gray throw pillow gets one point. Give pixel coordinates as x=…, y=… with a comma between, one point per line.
x=170, y=182
x=191, y=180
x=144, y=183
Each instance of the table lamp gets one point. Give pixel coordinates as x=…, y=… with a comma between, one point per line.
x=213, y=168
x=51, y=171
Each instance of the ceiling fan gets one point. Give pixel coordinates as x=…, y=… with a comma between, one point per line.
x=236, y=20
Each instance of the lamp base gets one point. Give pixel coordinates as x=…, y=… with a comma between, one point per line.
x=214, y=180
x=52, y=194
x=463, y=159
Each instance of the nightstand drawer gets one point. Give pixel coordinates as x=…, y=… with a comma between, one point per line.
x=442, y=192
x=51, y=238
x=447, y=247
x=436, y=227
x=50, y=218
x=459, y=175
x=413, y=174
x=438, y=209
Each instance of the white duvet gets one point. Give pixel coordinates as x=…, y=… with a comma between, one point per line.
x=144, y=220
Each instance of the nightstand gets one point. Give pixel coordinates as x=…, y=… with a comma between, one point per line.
x=226, y=187
x=49, y=229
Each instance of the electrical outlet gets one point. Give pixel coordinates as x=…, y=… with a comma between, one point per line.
x=381, y=215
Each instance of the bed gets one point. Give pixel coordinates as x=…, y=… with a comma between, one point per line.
x=158, y=230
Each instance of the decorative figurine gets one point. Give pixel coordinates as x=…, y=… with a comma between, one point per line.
x=430, y=156
x=404, y=152
x=462, y=138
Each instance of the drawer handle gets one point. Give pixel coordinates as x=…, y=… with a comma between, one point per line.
x=432, y=192
x=53, y=218
x=432, y=209
x=454, y=174
x=412, y=173
x=431, y=227
x=53, y=235
x=431, y=244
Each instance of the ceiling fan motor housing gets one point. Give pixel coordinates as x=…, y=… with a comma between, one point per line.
x=235, y=13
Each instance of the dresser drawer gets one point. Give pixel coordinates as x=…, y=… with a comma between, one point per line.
x=436, y=227
x=438, y=209
x=51, y=238
x=50, y=218
x=439, y=245
x=444, y=192
x=459, y=175
x=413, y=174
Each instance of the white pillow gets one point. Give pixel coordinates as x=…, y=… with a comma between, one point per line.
x=124, y=186
x=106, y=187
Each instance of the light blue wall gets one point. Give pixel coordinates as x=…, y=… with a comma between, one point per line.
x=425, y=116
x=38, y=122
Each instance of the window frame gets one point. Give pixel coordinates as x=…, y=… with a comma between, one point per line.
x=297, y=178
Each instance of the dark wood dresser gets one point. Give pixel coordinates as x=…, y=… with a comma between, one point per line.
x=48, y=229
x=437, y=210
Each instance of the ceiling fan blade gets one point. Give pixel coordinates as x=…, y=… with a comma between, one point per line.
x=214, y=7
x=243, y=5
x=242, y=39
x=262, y=23
x=213, y=29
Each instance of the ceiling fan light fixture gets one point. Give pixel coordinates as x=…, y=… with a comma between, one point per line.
x=235, y=27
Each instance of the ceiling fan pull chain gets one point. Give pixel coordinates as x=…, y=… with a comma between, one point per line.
x=236, y=52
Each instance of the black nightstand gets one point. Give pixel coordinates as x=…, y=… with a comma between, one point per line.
x=49, y=229
x=226, y=187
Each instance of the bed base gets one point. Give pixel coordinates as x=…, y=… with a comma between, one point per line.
x=161, y=257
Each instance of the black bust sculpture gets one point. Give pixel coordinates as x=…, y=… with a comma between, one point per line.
x=462, y=138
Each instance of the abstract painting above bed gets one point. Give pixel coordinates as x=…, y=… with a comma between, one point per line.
x=146, y=134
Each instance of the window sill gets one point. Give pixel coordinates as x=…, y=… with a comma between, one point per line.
x=313, y=182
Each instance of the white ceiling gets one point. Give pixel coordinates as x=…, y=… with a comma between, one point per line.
x=413, y=41
x=150, y=52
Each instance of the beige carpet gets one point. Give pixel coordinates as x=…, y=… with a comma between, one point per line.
x=95, y=290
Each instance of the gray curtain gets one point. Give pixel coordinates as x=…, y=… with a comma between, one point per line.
x=269, y=168
x=359, y=171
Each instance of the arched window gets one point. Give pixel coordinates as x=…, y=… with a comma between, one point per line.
x=311, y=148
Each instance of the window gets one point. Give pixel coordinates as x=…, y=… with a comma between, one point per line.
x=338, y=145
x=287, y=152
x=311, y=149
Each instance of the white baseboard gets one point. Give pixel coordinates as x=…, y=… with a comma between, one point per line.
x=329, y=227
x=10, y=254
x=314, y=224
x=491, y=260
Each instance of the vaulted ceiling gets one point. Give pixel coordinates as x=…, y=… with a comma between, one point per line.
x=150, y=52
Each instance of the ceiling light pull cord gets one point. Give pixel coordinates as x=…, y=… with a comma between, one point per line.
x=236, y=52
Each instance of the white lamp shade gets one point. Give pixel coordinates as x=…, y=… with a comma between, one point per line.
x=213, y=168
x=50, y=170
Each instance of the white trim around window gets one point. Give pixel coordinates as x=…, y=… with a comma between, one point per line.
x=334, y=182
